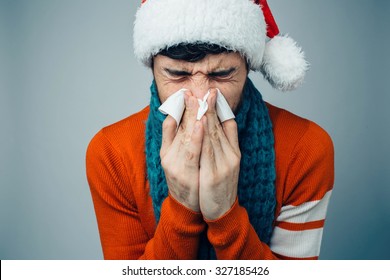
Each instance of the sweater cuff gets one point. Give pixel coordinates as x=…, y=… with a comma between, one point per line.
x=225, y=230
x=182, y=219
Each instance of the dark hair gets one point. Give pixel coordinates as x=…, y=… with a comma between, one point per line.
x=192, y=52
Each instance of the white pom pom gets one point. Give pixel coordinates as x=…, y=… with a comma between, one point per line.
x=284, y=64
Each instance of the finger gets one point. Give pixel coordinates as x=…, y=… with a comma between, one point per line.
x=212, y=101
x=227, y=143
x=214, y=128
x=189, y=116
x=207, y=157
x=182, y=123
x=193, y=151
x=231, y=133
x=168, y=133
x=212, y=117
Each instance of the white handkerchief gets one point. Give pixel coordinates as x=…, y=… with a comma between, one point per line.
x=174, y=106
x=203, y=106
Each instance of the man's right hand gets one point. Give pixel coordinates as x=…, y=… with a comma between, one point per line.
x=180, y=154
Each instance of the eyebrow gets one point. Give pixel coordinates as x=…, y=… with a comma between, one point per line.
x=222, y=73
x=177, y=72
x=211, y=74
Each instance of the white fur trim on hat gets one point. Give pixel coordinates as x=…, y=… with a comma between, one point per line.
x=237, y=25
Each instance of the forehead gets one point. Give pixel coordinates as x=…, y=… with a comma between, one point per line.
x=210, y=63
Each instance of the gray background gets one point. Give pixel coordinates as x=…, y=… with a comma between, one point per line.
x=67, y=69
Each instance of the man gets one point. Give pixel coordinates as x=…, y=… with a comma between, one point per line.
x=199, y=186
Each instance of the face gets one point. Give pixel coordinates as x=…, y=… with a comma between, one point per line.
x=226, y=71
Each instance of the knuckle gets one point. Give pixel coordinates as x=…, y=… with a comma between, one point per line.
x=210, y=152
x=236, y=162
x=224, y=171
x=164, y=163
x=218, y=125
x=182, y=126
x=189, y=155
x=211, y=110
x=173, y=172
x=186, y=139
x=214, y=134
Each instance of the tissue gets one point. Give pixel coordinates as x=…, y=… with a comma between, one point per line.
x=174, y=106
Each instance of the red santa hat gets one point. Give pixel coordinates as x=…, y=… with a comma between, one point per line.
x=245, y=26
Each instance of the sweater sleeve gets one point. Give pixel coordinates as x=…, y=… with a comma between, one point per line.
x=121, y=229
x=299, y=225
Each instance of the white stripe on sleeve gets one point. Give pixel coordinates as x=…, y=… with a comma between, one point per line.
x=296, y=244
x=306, y=212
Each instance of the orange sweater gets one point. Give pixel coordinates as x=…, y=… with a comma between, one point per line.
x=116, y=171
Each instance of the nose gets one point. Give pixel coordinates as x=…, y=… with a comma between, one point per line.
x=199, y=85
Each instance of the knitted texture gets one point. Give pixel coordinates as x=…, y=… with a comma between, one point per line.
x=256, y=190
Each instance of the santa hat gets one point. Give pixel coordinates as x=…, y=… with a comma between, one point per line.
x=245, y=26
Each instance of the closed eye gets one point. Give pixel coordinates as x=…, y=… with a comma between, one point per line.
x=223, y=73
x=181, y=74
x=177, y=73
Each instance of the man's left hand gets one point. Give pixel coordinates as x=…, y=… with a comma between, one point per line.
x=219, y=163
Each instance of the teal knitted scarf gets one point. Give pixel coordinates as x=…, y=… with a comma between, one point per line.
x=256, y=190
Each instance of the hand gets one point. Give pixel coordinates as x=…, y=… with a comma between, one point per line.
x=219, y=163
x=180, y=155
